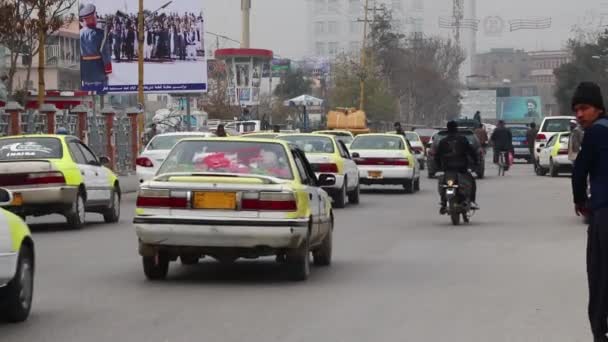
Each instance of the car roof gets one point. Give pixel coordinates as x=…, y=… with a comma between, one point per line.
x=307, y=135
x=390, y=135
x=239, y=140
x=183, y=133
x=333, y=130
x=571, y=117
x=28, y=136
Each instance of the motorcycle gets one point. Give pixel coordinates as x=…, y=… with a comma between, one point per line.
x=457, y=194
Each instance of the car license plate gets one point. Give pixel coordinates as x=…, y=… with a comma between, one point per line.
x=215, y=200
x=517, y=143
x=374, y=174
x=17, y=199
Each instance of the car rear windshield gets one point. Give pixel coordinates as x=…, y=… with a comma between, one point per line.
x=412, y=136
x=468, y=134
x=377, y=143
x=426, y=132
x=518, y=131
x=261, y=136
x=166, y=142
x=556, y=125
x=30, y=148
x=217, y=157
x=341, y=136
x=564, y=139
x=311, y=144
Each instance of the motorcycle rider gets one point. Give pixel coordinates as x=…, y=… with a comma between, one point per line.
x=502, y=140
x=456, y=154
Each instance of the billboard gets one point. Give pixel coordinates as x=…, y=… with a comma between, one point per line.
x=524, y=109
x=174, y=47
x=483, y=101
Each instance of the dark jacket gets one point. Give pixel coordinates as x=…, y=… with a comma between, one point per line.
x=455, y=153
x=531, y=137
x=592, y=162
x=502, y=139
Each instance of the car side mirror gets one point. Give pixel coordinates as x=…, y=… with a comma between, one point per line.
x=104, y=161
x=355, y=155
x=327, y=180
x=541, y=145
x=417, y=152
x=6, y=197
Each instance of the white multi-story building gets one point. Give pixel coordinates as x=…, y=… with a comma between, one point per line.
x=336, y=26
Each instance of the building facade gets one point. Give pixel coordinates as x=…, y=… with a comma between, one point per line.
x=336, y=26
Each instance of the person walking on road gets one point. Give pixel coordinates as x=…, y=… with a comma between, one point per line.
x=482, y=135
x=531, y=138
x=592, y=162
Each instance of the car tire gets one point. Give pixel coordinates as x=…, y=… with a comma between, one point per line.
x=354, y=196
x=77, y=215
x=156, y=267
x=322, y=255
x=112, y=214
x=19, y=291
x=417, y=185
x=553, y=170
x=422, y=165
x=189, y=260
x=431, y=174
x=298, y=261
x=340, y=197
x=408, y=187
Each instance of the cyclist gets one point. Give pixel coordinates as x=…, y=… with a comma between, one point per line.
x=502, y=140
x=456, y=154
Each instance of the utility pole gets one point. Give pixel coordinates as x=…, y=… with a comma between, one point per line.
x=140, y=70
x=366, y=22
x=246, y=13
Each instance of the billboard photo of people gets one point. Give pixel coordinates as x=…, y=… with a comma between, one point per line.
x=174, y=46
x=523, y=109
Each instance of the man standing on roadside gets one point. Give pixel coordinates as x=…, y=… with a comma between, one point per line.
x=592, y=162
x=531, y=138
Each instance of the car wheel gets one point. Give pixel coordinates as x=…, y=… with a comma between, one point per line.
x=322, y=255
x=481, y=172
x=20, y=290
x=189, y=259
x=417, y=185
x=340, y=198
x=354, y=196
x=298, y=261
x=422, y=165
x=156, y=267
x=77, y=215
x=431, y=174
x=553, y=171
x=112, y=214
x=408, y=187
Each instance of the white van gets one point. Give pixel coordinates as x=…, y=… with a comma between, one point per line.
x=550, y=126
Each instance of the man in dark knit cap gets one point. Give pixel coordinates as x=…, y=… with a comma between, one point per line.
x=592, y=163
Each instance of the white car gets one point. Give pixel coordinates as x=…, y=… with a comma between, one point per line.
x=386, y=159
x=157, y=150
x=418, y=147
x=553, y=157
x=550, y=126
x=344, y=136
x=328, y=155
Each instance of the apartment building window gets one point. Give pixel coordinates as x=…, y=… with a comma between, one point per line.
x=355, y=27
x=355, y=6
x=333, y=27
x=319, y=27
x=418, y=5
x=333, y=6
x=529, y=91
x=320, y=48
x=332, y=48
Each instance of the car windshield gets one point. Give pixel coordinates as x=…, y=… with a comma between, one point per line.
x=412, y=137
x=218, y=157
x=378, y=142
x=556, y=125
x=166, y=142
x=30, y=148
x=341, y=136
x=518, y=131
x=311, y=144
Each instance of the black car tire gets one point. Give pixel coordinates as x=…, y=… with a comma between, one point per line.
x=154, y=270
x=408, y=186
x=354, y=196
x=19, y=291
x=76, y=217
x=322, y=255
x=112, y=213
x=340, y=197
x=298, y=261
x=553, y=170
x=422, y=165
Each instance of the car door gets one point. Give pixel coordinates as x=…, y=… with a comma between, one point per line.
x=7, y=254
x=545, y=152
x=81, y=162
x=350, y=168
x=99, y=190
x=309, y=182
x=408, y=148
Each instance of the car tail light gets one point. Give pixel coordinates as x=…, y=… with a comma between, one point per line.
x=325, y=168
x=159, y=198
x=383, y=161
x=541, y=137
x=418, y=149
x=144, y=162
x=269, y=201
x=562, y=152
x=36, y=178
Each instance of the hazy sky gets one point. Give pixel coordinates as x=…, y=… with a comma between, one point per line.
x=280, y=25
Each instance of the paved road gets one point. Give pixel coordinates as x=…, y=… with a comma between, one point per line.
x=401, y=273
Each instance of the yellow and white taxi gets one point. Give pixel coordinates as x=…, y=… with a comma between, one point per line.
x=57, y=174
x=16, y=265
x=386, y=159
x=231, y=198
x=327, y=154
x=344, y=136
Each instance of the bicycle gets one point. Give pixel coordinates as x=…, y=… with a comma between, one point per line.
x=502, y=163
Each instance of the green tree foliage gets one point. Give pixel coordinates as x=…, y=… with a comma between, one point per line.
x=588, y=63
x=293, y=84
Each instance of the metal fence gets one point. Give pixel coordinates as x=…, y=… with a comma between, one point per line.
x=33, y=122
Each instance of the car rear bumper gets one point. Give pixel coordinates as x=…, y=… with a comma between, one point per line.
x=277, y=234
x=8, y=267
x=562, y=161
x=145, y=174
x=390, y=175
x=64, y=194
x=522, y=152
